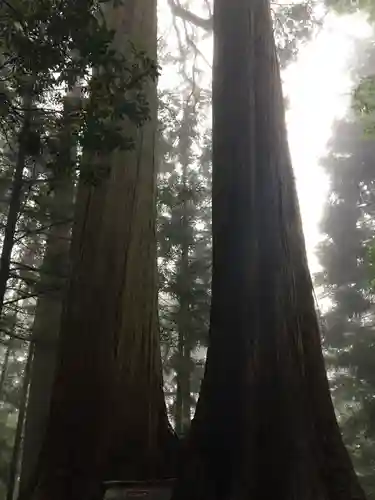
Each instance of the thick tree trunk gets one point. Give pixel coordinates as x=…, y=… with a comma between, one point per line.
x=265, y=425
x=108, y=417
x=45, y=332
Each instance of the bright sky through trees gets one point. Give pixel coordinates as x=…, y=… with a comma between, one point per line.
x=319, y=87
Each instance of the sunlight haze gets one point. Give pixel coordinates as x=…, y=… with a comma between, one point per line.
x=319, y=87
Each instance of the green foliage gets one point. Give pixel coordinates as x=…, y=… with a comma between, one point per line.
x=347, y=258
x=364, y=103
x=352, y=6
x=371, y=265
x=48, y=48
x=117, y=93
x=294, y=24
x=184, y=237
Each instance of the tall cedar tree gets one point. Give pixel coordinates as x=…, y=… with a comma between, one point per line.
x=108, y=415
x=264, y=425
x=184, y=274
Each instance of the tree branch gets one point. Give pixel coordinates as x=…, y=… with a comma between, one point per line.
x=179, y=11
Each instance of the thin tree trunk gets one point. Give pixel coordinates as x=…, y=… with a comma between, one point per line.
x=178, y=414
x=184, y=326
x=108, y=416
x=4, y=367
x=14, y=204
x=186, y=391
x=14, y=463
x=184, y=331
x=265, y=425
x=45, y=332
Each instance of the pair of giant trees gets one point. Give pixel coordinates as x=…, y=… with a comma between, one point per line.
x=265, y=426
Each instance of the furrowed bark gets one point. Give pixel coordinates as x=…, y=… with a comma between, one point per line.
x=265, y=425
x=46, y=326
x=108, y=418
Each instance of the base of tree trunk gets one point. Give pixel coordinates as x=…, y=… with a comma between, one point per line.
x=145, y=490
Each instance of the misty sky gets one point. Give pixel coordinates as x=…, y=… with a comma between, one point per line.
x=319, y=87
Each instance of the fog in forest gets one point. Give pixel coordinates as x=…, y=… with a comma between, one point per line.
x=72, y=172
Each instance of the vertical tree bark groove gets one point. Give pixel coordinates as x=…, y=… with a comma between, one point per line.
x=265, y=425
x=108, y=417
x=48, y=311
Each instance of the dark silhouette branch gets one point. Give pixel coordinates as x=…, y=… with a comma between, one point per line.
x=42, y=229
x=31, y=295
x=24, y=338
x=200, y=22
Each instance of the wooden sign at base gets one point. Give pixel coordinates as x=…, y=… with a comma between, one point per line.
x=132, y=490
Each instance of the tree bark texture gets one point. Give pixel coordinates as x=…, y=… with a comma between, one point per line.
x=108, y=417
x=46, y=325
x=265, y=425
